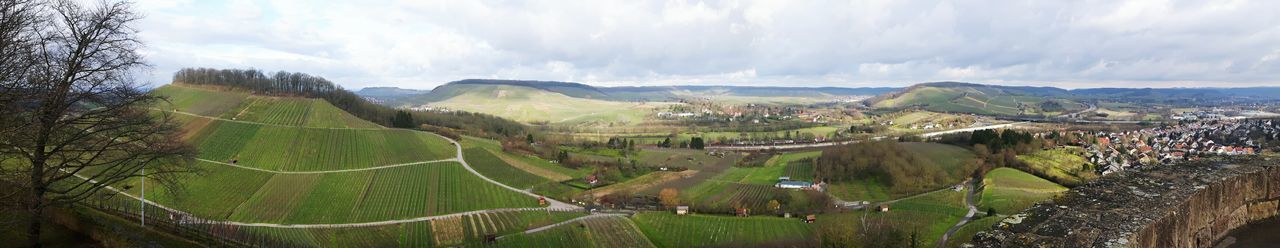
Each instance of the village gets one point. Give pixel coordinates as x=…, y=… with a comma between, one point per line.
x=1117, y=151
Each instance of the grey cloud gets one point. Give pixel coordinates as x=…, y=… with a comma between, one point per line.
x=419, y=44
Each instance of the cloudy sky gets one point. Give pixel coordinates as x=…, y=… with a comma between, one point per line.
x=421, y=44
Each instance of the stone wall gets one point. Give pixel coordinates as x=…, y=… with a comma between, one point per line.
x=1188, y=205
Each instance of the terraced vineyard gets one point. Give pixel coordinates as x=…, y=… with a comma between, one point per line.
x=363, y=196
x=314, y=149
x=669, y=230
x=287, y=111
x=605, y=232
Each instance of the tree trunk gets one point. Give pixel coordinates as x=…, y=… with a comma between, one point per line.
x=37, y=216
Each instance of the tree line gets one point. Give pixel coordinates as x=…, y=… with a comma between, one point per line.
x=304, y=85
x=883, y=161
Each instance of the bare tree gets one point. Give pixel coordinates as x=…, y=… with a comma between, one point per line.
x=78, y=122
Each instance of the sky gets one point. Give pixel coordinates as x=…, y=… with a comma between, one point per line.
x=861, y=43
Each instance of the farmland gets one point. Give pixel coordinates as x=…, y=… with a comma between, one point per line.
x=669, y=230
x=364, y=196
x=604, y=232
x=1009, y=190
x=1063, y=165
x=314, y=149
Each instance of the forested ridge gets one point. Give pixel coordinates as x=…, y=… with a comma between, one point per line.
x=303, y=85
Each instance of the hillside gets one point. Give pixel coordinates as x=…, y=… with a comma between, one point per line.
x=981, y=99
x=528, y=105
x=293, y=160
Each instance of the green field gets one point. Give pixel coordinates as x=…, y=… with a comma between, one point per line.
x=488, y=164
x=951, y=159
x=526, y=104
x=981, y=222
x=1063, y=165
x=930, y=214
x=604, y=232
x=669, y=230
x=228, y=193
x=312, y=149
x=528, y=163
x=1009, y=190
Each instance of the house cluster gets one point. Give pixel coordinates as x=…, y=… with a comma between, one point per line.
x=1117, y=151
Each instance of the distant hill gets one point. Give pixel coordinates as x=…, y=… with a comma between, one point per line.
x=388, y=92
x=631, y=93
x=1039, y=101
x=980, y=99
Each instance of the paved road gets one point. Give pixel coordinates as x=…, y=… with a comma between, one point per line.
x=969, y=200
x=825, y=144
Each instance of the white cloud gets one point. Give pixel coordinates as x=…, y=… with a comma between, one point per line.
x=420, y=44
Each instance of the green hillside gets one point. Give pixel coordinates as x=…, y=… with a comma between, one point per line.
x=527, y=104
x=981, y=99
x=242, y=106
x=1009, y=190
x=952, y=160
x=302, y=161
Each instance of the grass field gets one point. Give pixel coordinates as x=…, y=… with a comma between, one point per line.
x=485, y=162
x=531, y=164
x=1010, y=190
x=1062, y=165
x=949, y=158
x=668, y=230
x=930, y=215
x=313, y=149
x=532, y=105
x=605, y=232
x=365, y=196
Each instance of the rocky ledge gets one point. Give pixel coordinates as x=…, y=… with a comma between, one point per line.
x=1192, y=204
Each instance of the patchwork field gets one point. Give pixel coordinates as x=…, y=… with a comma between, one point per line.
x=669, y=230
x=364, y=196
x=1009, y=190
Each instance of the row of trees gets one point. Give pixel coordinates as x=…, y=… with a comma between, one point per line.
x=303, y=85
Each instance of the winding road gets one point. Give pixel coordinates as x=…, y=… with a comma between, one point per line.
x=970, y=199
x=553, y=205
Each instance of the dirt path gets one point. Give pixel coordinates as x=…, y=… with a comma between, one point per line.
x=970, y=199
